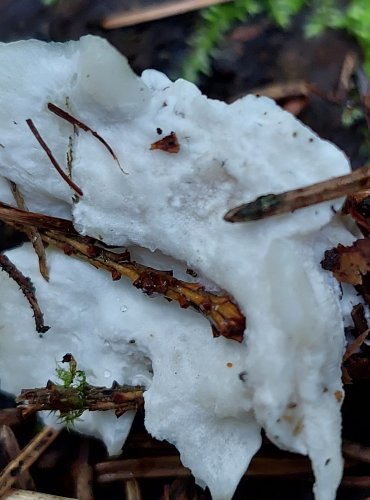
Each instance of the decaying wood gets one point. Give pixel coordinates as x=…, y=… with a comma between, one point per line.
x=28, y=290
x=225, y=317
x=120, y=398
x=289, y=201
x=9, y=444
x=26, y=458
x=154, y=12
x=32, y=233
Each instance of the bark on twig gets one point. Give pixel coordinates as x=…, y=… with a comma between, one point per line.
x=28, y=290
x=278, y=204
x=225, y=317
x=120, y=398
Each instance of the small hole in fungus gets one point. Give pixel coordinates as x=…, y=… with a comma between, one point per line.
x=159, y=131
x=229, y=365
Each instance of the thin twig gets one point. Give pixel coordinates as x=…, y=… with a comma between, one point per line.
x=32, y=233
x=277, y=204
x=16, y=217
x=154, y=12
x=26, y=458
x=28, y=290
x=77, y=123
x=56, y=165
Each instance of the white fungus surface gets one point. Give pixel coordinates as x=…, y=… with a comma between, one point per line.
x=174, y=204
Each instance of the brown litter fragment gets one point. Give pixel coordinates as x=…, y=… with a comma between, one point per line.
x=169, y=144
x=349, y=264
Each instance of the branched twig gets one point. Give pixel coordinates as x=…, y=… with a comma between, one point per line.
x=28, y=290
x=77, y=123
x=56, y=165
x=53, y=397
x=224, y=315
x=277, y=204
x=32, y=233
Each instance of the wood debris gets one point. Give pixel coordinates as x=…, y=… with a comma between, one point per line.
x=289, y=201
x=28, y=290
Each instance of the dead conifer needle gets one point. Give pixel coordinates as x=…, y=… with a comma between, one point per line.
x=47, y=150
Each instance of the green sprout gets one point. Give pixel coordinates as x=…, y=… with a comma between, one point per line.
x=71, y=377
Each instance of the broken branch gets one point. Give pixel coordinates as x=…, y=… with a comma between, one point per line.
x=53, y=397
x=278, y=204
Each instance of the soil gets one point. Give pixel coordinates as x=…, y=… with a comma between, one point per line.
x=253, y=55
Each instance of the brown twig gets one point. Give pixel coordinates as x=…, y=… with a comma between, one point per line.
x=26, y=458
x=77, y=123
x=277, y=204
x=120, y=398
x=153, y=12
x=224, y=315
x=28, y=290
x=54, y=162
x=32, y=233
x=22, y=219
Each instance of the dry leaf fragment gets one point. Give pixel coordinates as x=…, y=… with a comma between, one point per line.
x=349, y=264
x=358, y=207
x=169, y=144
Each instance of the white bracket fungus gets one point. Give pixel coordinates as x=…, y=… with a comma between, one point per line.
x=174, y=204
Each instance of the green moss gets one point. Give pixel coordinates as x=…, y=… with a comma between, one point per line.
x=216, y=21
